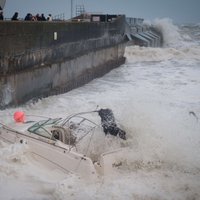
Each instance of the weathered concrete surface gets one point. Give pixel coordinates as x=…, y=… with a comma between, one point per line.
x=27, y=44
x=59, y=77
x=35, y=63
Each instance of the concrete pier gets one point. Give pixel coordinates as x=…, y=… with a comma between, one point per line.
x=38, y=59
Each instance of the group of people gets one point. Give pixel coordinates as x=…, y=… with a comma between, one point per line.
x=28, y=17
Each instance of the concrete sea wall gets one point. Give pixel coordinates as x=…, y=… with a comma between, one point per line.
x=61, y=77
x=38, y=59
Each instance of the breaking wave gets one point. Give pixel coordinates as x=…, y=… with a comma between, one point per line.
x=143, y=54
x=174, y=35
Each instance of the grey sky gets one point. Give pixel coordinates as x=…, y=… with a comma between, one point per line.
x=180, y=11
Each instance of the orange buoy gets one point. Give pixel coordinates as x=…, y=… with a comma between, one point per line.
x=19, y=116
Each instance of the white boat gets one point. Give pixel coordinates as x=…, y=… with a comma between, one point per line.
x=55, y=142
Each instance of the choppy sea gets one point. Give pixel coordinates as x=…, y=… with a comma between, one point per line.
x=155, y=96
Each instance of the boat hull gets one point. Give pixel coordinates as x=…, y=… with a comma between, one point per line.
x=52, y=154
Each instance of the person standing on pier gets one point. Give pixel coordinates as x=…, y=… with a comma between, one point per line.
x=15, y=16
x=1, y=13
x=49, y=18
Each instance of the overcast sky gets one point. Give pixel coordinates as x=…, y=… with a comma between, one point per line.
x=180, y=11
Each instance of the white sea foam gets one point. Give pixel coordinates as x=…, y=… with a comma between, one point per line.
x=143, y=54
x=156, y=97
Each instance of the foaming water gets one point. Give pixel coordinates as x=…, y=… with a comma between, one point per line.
x=186, y=54
x=155, y=97
x=170, y=32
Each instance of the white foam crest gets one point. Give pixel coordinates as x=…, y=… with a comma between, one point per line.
x=143, y=54
x=170, y=32
x=171, y=35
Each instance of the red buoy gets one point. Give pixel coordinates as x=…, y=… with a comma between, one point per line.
x=19, y=116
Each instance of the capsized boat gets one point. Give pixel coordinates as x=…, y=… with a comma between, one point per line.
x=57, y=143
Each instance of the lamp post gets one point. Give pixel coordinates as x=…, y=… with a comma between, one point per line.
x=71, y=9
